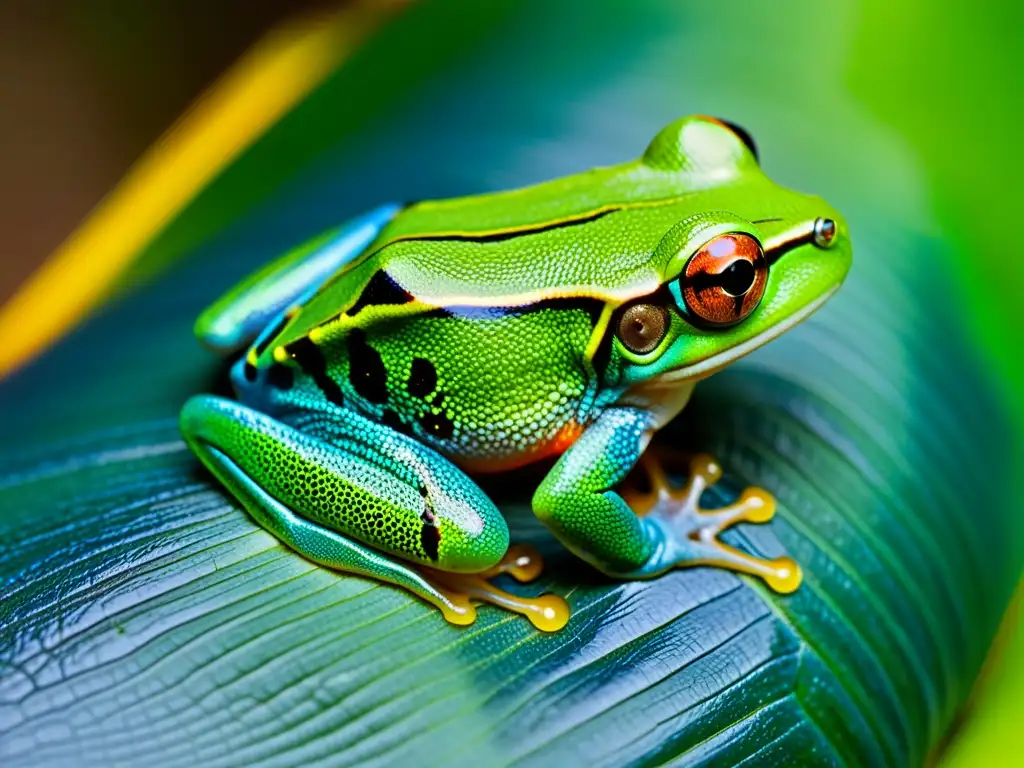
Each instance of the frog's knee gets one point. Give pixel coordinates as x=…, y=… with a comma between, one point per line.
x=463, y=532
x=460, y=551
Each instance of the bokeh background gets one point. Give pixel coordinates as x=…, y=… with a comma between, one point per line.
x=86, y=88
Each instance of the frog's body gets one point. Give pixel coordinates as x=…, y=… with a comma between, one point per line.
x=496, y=330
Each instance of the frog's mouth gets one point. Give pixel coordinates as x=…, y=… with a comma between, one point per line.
x=706, y=367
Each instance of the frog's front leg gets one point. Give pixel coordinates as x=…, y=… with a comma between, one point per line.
x=368, y=493
x=578, y=503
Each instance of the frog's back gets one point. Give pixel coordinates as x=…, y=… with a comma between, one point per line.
x=589, y=235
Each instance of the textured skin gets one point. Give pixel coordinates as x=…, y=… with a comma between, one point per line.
x=449, y=401
x=484, y=329
x=369, y=483
x=235, y=320
x=576, y=493
x=699, y=166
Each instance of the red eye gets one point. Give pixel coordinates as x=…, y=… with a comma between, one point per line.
x=724, y=280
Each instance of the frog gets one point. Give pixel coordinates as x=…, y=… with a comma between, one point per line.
x=388, y=364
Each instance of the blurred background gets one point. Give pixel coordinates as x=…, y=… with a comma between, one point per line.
x=87, y=87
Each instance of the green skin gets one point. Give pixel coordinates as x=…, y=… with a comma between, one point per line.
x=396, y=353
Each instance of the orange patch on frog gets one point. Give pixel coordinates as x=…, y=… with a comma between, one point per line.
x=556, y=446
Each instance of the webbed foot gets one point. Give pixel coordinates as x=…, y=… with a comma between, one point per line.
x=691, y=532
x=548, y=613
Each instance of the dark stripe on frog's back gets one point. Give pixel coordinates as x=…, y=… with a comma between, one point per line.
x=554, y=199
x=508, y=233
x=382, y=290
x=592, y=307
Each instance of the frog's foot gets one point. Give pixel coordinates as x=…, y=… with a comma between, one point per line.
x=691, y=533
x=548, y=613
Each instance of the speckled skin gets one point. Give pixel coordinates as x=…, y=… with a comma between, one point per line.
x=414, y=344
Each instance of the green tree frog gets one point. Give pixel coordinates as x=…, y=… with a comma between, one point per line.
x=387, y=361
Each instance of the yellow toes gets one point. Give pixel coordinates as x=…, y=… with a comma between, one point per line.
x=758, y=505
x=548, y=613
x=783, y=575
x=522, y=562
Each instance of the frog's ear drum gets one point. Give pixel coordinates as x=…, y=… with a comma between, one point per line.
x=743, y=135
x=641, y=327
x=723, y=281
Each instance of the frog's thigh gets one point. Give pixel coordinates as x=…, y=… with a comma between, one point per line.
x=238, y=316
x=300, y=477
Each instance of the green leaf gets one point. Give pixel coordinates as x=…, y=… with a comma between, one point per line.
x=145, y=618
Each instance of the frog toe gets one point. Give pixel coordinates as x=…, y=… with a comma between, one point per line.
x=689, y=533
x=547, y=612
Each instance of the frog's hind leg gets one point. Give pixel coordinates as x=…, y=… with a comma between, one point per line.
x=316, y=497
x=328, y=548
x=236, y=318
x=694, y=531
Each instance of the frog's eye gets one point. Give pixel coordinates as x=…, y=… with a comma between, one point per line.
x=743, y=135
x=642, y=327
x=724, y=280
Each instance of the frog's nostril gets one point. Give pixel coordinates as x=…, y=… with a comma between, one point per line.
x=824, y=233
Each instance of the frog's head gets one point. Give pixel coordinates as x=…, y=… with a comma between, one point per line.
x=733, y=277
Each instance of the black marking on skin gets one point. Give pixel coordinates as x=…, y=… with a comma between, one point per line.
x=366, y=369
x=497, y=237
x=379, y=291
x=764, y=221
x=311, y=360
x=422, y=377
x=280, y=376
x=593, y=308
x=436, y=400
x=392, y=420
x=249, y=370
x=437, y=425
x=471, y=313
x=267, y=338
x=430, y=535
